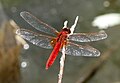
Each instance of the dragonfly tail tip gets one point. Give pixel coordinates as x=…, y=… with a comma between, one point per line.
x=46, y=68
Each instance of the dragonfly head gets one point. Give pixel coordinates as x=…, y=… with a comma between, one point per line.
x=67, y=30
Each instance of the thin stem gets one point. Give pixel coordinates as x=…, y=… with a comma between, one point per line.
x=65, y=24
x=74, y=25
x=62, y=60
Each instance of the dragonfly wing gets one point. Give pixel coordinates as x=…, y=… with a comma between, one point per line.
x=88, y=37
x=79, y=50
x=37, y=39
x=37, y=24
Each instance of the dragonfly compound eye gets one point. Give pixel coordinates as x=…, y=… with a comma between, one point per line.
x=67, y=29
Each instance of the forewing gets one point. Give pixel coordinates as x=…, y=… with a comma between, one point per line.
x=88, y=37
x=79, y=50
x=37, y=24
x=37, y=39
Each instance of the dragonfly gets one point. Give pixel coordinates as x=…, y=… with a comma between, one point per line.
x=56, y=40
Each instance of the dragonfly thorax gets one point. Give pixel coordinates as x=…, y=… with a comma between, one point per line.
x=61, y=37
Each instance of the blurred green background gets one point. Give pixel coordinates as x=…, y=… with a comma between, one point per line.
x=77, y=69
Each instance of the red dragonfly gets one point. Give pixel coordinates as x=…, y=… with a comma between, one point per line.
x=59, y=39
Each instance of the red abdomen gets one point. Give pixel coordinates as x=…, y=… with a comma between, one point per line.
x=53, y=55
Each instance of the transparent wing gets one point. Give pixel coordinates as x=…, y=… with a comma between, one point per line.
x=88, y=37
x=79, y=50
x=37, y=24
x=37, y=39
